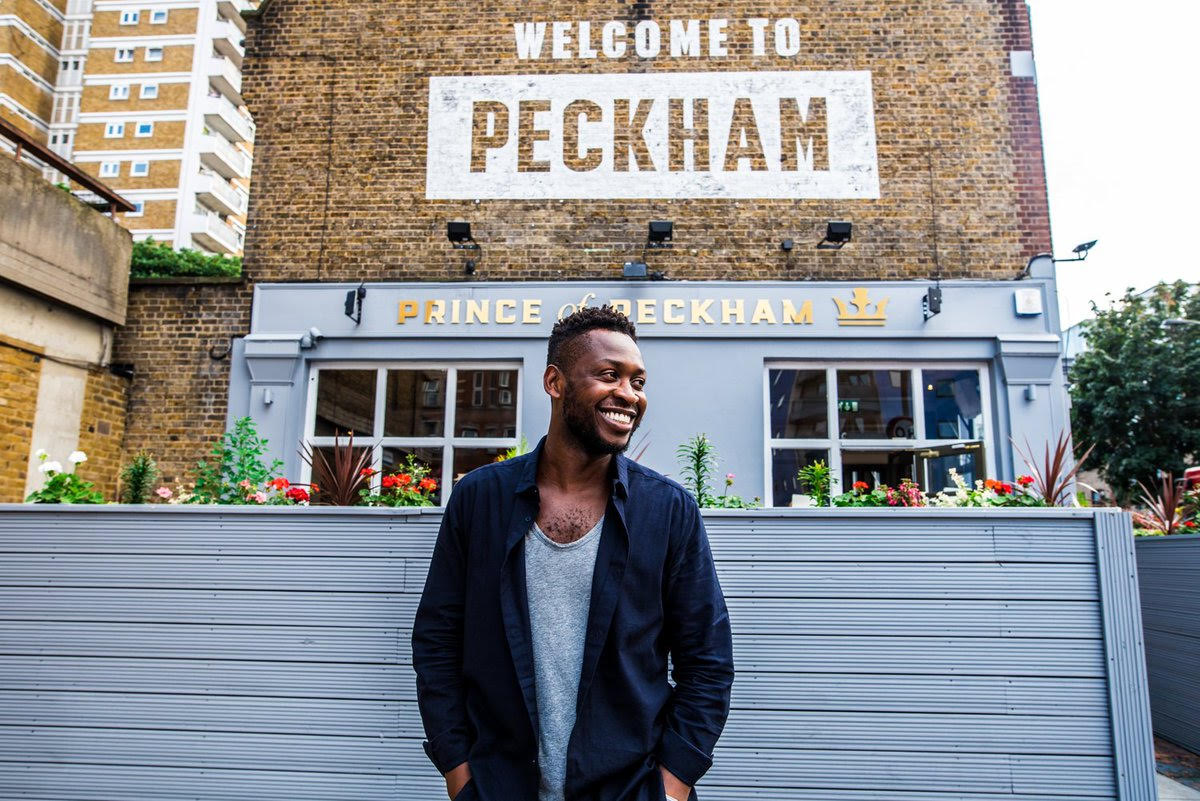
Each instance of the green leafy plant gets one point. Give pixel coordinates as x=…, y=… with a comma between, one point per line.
x=407, y=485
x=698, y=461
x=234, y=472
x=989, y=493
x=862, y=494
x=61, y=486
x=343, y=473
x=816, y=480
x=138, y=478
x=155, y=260
x=518, y=450
x=1051, y=478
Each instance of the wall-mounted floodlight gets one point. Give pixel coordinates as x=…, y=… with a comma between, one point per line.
x=1080, y=251
x=459, y=234
x=660, y=234
x=354, y=303
x=312, y=336
x=837, y=234
x=931, y=304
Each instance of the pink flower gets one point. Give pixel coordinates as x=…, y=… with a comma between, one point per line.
x=259, y=497
x=164, y=492
x=245, y=484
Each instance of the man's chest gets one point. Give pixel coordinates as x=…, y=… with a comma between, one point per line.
x=567, y=517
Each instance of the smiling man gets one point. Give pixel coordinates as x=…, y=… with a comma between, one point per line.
x=560, y=582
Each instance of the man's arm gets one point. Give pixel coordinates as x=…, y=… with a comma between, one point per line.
x=697, y=628
x=437, y=642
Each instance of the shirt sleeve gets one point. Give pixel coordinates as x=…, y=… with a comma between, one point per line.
x=437, y=646
x=697, y=627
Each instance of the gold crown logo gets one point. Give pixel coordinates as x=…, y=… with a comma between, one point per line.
x=862, y=305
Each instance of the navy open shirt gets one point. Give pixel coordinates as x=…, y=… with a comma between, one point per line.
x=654, y=592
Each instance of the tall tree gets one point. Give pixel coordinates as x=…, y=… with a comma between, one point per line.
x=1135, y=391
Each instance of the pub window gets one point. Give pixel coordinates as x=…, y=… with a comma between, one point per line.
x=876, y=423
x=428, y=411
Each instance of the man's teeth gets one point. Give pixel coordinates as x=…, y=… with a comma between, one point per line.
x=618, y=417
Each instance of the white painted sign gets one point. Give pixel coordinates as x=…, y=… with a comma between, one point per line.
x=652, y=135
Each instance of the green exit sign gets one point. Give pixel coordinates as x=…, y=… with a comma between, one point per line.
x=847, y=406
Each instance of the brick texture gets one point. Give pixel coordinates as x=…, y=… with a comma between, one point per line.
x=20, y=373
x=179, y=21
x=102, y=429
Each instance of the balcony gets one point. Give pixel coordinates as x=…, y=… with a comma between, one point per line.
x=232, y=11
x=223, y=158
x=226, y=78
x=212, y=233
x=227, y=40
x=223, y=117
x=213, y=191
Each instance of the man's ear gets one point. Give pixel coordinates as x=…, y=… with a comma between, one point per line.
x=554, y=382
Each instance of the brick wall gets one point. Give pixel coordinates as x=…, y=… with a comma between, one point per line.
x=102, y=61
x=20, y=372
x=179, y=21
x=102, y=430
x=178, y=399
x=170, y=96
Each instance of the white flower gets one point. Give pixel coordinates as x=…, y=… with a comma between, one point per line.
x=76, y=457
x=41, y=454
x=50, y=467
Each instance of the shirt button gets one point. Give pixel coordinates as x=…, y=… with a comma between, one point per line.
x=527, y=519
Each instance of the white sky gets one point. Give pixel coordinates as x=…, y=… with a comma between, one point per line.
x=1118, y=87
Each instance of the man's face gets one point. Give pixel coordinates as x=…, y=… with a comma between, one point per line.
x=604, y=395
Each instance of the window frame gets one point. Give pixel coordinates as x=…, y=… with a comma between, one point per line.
x=130, y=17
x=110, y=169
x=135, y=173
x=834, y=445
x=118, y=91
x=154, y=16
x=152, y=95
x=139, y=209
x=446, y=442
x=114, y=130
x=150, y=50
x=128, y=52
x=137, y=129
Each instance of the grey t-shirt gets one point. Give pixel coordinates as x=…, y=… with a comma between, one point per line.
x=558, y=584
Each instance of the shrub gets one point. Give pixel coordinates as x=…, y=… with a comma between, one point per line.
x=61, y=486
x=235, y=472
x=154, y=260
x=817, y=480
x=698, y=459
x=137, y=478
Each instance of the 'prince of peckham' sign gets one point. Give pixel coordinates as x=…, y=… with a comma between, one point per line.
x=661, y=135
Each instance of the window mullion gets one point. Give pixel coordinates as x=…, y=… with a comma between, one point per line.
x=451, y=401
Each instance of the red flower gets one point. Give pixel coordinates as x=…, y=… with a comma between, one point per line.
x=367, y=472
x=278, y=483
x=404, y=478
x=389, y=482
x=861, y=486
x=991, y=484
x=314, y=488
x=427, y=484
x=297, y=494
x=1024, y=481
x=1005, y=489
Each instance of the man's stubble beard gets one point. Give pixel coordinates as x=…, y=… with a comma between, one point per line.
x=583, y=427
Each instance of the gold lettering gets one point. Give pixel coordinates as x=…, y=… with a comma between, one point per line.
x=531, y=311
x=645, y=310
x=501, y=315
x=408, y=310
x=812, y=129
x=625, y=307
x=802, y=316
x=477, y=311
x=700, y=311
x=435, y=309
x=455, y=311
x=677, y=134
x=733, y=308
x=527, y=135
x=574, y=159
x=744, y=126
x=629, y=134
x=487, y=113
x=669, y=317
x=763, y=313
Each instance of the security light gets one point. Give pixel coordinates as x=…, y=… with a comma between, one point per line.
x=931, y=304
x=354, y=302
x=660, y=234
x=1080, y=251
x=459, y=234
x=837, y=234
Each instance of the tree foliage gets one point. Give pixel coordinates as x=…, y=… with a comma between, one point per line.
x=155, y=260
x=1135, y=391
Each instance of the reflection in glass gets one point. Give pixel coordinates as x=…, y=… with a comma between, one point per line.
x=394, y=457
x=875, y=404
x=345, y=402
x=953, y=409
x=486, y=405
x=785, y=463
x=467, y=459
x=798, y=409
x=415, y=403
x=876, y=467
x=967, y=464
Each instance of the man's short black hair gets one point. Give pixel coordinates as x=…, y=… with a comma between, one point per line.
x=564, y=344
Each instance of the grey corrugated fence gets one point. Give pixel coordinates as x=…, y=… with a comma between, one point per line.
x=1169, y=575
x=906, y=655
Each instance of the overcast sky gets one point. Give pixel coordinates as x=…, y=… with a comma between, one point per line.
x=1118, y=88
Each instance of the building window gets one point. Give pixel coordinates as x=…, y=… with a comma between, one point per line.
x=118, y=91
x=139, y=169
x=130, y=17
x=420, y=410
x=123, y=55
x=154, y=54
x=139, y=208
x=158, y=17
x=149, y=91
x=114, y=130
x=144, y=129
x=110, y=169
x=876, y=423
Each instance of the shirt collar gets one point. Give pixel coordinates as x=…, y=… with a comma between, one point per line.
x=619, y=474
